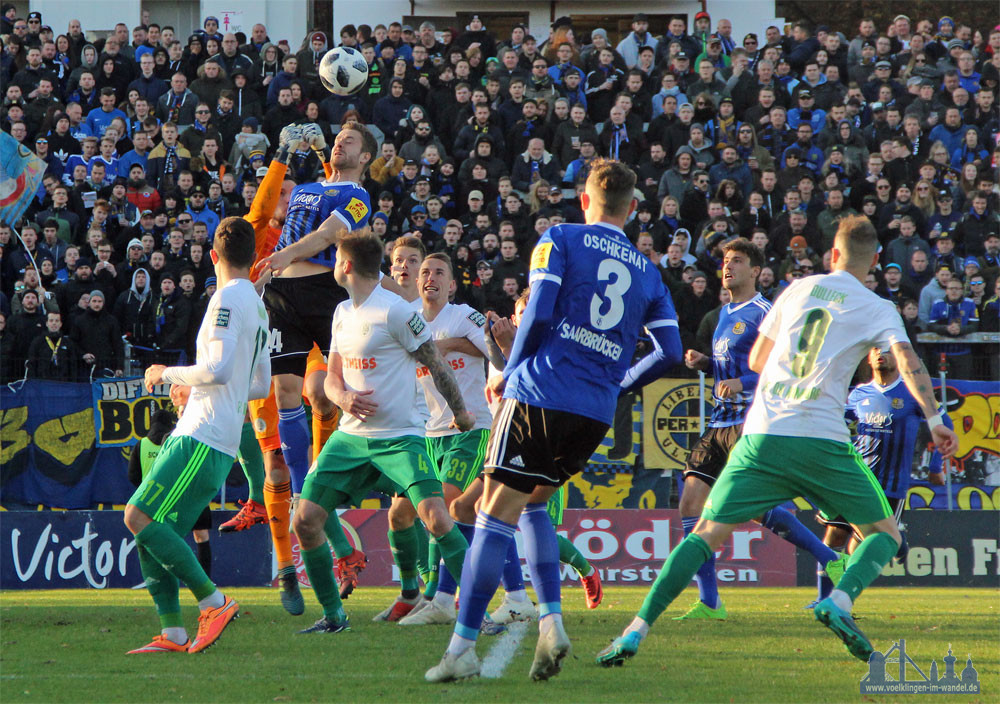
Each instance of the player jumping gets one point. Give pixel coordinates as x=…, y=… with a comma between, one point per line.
x=232, y=367
x=795, y=442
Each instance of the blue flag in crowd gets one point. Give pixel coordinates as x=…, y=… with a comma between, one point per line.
x=20, y=175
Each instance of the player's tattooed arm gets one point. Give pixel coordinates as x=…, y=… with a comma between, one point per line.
x=428, y=355
x=918, y=381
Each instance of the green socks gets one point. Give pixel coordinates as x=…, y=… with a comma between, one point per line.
x=319, y=567
x=163, y=587
x=424, y=568
x=866, y=563
x=433, y=560
x=453, y=546
x=404, y=545
x=335, y=534
x=174, y=555
x=676, y=575
x=252, y=462
x=569, y=555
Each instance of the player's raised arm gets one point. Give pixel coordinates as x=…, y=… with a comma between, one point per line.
x=326, y=235
x=918, y=381
x=661, y=324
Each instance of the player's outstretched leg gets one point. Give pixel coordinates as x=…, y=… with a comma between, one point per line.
x=516, y=606
x=785, y=525
x=441, y=607
x=309, y=522
x=542, y=553
x=864, y=566
x=350, y=561
x=589, y=577
x=484, y=562
x=293, y=428
x=404, y=546
x=678, y=571
x=167, y=548
x=253, y=511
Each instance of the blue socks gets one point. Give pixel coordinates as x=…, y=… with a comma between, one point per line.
x=484, y=562
x=787, y=526
x=513, y=579
x=293, y=429
x=541, y=549
x=446, y=582
x=708, y=588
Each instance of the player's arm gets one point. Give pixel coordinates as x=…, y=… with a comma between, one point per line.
x=458, y=345
x=326, y=235
x=216, y=370
x=470, y=343
x=918, y=381
x=260, y=382
x=759, y=353
x=667, y=352
x=428, y=355
x=356, y=403
x=693, y=359
x=498, y=335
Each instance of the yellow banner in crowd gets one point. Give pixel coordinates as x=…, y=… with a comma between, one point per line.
x=671, y=420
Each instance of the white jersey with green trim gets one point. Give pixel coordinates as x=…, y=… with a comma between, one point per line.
x=214, y=413
x=822, y=327
x=376, y=341
x=458, y=320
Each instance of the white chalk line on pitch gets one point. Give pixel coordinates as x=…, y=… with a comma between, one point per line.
x=504, y=650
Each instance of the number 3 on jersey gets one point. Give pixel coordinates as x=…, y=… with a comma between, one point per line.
x=616, y=279
x=810, y=341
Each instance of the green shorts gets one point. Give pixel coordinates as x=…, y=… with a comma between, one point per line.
x=766, y=470
x=557, y=502
x=350, y=466
x=184, y=478
x=459, y=458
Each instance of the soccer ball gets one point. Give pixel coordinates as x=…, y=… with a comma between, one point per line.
x=343, y=70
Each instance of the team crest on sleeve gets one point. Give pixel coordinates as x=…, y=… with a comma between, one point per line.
x=478, y=319
x=416, y=324
x=222, y=318
x=357, y=209
x=739, y=328
x=540, y=257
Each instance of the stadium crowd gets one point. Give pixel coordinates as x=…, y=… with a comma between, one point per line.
x=149, y=139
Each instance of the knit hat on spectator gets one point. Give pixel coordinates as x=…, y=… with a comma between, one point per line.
x=955, y=44
x=599, y=32
x=168, y=275
x=211, y=281
x=381, y=216
x=798, y=242
x=261, y=172
x=941, y=266
x=135, y=242
x=971, y=261
x=418, y=209
x=97, y=293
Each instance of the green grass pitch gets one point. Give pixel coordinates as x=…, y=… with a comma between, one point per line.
x=69, y=646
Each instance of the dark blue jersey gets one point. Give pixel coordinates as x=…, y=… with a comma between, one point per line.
x=312, y=203
x=886, y=437
x=731, y=343
x=607, y=290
